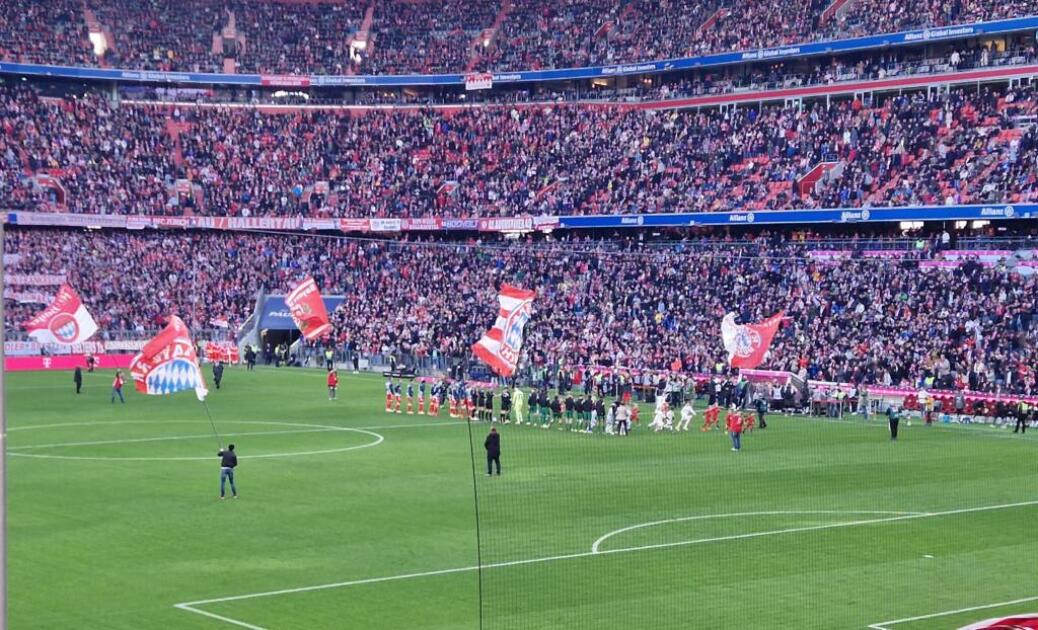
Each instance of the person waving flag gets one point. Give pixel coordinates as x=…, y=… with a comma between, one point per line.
x=499, y=347
x=748, y=344
x=308, y=310
x=168, y=363
x=65, y=320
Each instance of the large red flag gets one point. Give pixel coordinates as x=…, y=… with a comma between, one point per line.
x=168, y=363
x=308, y=311
x=64, y=321
x=747, y=344
x=499, y=347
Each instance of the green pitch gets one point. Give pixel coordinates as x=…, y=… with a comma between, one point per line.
x=352, y=518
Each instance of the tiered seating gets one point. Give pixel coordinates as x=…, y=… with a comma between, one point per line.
x=871, y=320
x=500, y=162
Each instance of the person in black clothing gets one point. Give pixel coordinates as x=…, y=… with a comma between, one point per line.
x=493, y=446
x=488, y=405
x=506, y=405
x=218, y=373
x=477, y=398
x=556, y=410
x=77, y=378
x=228, y=462
x=762, y=406
x=1023, y=410
x=250, y=358
x=727, y=393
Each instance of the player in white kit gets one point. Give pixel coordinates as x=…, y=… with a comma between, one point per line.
x=687, y=413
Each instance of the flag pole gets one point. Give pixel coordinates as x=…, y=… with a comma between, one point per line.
x=219, y=442
x=194, y=320
x=3, y=449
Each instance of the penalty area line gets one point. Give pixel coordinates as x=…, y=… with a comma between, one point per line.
x=230, y=620
x=886, y=625
x=193, y=605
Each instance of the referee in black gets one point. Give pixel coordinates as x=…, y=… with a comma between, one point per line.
x=493, y=446
x=228, y=462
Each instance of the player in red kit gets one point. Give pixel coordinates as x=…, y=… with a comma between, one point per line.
x=710, y=417
x=117, y=387
x=333, y=384
x=749, y=421
x=389, y=396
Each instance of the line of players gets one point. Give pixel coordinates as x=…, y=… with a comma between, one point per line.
x=586, y=414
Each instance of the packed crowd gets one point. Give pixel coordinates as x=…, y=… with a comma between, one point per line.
x=599, y=302
x=427, y=37
x=296, y=37
x=45, y=32
x=162, y=34
x=540, y=34
x=834, y=70
x=438, y=35
x=966, y=146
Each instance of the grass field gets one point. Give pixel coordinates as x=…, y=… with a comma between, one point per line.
x=349, y=518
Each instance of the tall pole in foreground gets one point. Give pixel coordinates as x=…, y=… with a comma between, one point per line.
x=3, y=448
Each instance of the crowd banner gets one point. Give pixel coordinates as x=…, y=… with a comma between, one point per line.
x=386, y=225
x=66, y=362
x=807, y=49
x=354, y=225
x=36, y=279
x=991, y=212
x=479, y=81
x=506, y=224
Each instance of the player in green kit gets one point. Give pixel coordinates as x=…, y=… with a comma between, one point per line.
x=545, y=406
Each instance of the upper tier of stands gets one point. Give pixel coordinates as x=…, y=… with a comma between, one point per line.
x=428, y=36
x=87, y=155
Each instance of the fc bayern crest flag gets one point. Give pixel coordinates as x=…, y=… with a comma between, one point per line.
x=169, y=363
x=747, y=344
x=65, y=320
x=308, y=311
x=499, y=347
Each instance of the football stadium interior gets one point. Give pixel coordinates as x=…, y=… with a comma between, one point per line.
x=519, y=314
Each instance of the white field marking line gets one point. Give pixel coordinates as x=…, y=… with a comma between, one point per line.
x=206, y=435
x=885, y=625
x=168, y=438
x=378, y=440
x=704, y=517
x=236, y=622
x=31, y=427
x=191, y=606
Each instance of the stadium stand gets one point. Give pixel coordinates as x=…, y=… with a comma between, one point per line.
x=962, y=146
x=296, y=38
x=875, y=317
x=161, y=35
x=447, y=35
x=427, y=37
x=45, y=32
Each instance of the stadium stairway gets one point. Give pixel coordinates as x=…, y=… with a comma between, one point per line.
x=837, y=7
x=710, y=21
x=361, y=38
x=230, y=64
x=95, y=26
x=807, y=183
x=487, y=35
